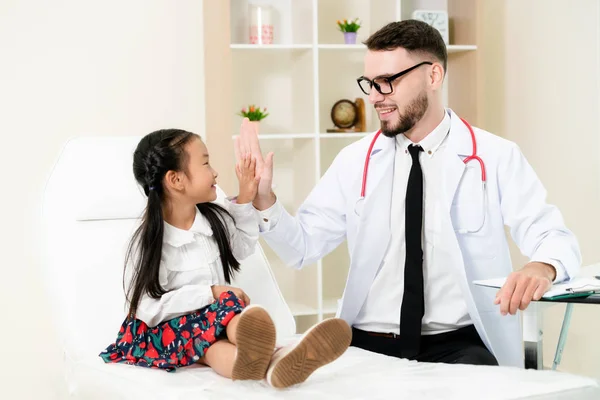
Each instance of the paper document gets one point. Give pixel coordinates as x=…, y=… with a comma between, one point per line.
x=577, y=285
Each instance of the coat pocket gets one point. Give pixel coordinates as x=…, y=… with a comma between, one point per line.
x=473, y=231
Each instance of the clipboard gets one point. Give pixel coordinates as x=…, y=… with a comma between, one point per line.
x=570, y=295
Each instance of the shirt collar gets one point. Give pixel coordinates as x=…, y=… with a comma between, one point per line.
x=178, y=237
x=432, y=141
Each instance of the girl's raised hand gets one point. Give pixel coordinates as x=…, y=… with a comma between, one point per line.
x=245, y=170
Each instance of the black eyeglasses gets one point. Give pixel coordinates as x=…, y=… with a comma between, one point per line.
x=384, y=84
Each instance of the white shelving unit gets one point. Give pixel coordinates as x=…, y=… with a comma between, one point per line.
x=299, y=77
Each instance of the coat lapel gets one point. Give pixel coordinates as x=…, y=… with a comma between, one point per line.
x=459, y=146
x=374, y=227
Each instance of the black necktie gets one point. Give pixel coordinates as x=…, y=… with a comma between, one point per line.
x=413, y=302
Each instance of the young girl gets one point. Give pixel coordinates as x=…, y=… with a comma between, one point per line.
x=184, y=254
x=185, y=250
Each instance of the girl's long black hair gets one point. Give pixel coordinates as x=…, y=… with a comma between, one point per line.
x=157, y=153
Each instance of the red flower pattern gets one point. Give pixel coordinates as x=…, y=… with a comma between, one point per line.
x=151, y=352
x=127, y=337
x=142, y=328
x=209, y=335
x=168, y=336
x=210, y=316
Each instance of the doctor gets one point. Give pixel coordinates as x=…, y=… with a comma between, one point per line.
x=423, y=207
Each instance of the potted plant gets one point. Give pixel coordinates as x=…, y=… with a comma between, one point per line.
x=254, y=113
x=349, y=29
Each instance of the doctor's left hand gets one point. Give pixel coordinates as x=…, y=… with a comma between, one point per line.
x=521, y=287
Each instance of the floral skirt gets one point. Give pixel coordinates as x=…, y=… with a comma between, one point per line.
x=175, y=343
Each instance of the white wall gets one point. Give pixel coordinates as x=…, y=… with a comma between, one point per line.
x=75, y=67
x=553, y=61
x=541, y=89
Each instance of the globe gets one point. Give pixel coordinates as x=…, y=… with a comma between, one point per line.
x=343, y=114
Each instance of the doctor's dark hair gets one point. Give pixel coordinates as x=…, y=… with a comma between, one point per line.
x=156, y=154
x=412, y=35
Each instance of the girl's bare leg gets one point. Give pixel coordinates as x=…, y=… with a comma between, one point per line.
x=220, y=356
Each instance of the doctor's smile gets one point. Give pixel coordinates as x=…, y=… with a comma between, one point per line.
x=385, y=111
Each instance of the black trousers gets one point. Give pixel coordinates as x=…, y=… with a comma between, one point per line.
x=462, y=346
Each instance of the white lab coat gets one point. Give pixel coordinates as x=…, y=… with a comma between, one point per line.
x=515, y=197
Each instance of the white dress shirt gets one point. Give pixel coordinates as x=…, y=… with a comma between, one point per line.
x=191, y=264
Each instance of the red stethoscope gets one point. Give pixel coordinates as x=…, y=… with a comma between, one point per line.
x=473, y=156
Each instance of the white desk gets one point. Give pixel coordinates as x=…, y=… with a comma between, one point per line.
x=533, y=324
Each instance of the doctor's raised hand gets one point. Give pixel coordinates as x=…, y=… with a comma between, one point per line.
x=247, y=143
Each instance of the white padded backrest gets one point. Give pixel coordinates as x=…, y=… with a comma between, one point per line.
x=92, y=205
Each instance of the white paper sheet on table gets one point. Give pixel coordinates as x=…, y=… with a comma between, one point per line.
x=576, y=285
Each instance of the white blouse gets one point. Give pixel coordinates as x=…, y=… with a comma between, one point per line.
x=191, y=264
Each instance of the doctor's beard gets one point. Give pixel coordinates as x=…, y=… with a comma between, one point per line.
x=406, y=121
